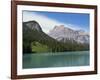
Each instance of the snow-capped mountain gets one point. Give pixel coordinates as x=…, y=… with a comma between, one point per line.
x=63, y=33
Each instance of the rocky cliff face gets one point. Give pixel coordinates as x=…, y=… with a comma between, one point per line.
x=32, y=25
x=63, y=33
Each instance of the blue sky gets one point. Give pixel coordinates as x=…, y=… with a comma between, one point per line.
x=50, y=19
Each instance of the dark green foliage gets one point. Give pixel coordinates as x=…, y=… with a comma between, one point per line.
x=38, y=47
x=35, y=41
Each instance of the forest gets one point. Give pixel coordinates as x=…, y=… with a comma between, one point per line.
x=36, y=41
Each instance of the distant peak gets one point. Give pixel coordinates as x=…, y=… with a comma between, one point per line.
x=59, y=27
x=80, y=30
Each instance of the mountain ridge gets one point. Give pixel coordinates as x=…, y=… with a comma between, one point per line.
x=36, y=41
x=62, y=32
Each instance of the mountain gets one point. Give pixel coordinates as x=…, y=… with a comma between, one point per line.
x=36, y=41
x=62, y=33
x=32, y=25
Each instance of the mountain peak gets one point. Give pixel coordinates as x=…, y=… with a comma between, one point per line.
x=33, y=25
x=58, y=27
x=62, y=32
x=82, y=32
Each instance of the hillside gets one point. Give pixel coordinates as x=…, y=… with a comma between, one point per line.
x=36, y=41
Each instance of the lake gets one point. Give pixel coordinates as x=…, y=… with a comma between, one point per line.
x=58, y=59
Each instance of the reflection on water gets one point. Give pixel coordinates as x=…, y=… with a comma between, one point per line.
x=59, y=59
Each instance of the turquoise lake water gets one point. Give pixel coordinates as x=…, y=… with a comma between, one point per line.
x=59, y=59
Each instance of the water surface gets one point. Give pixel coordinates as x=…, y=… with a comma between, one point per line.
x=59, y=59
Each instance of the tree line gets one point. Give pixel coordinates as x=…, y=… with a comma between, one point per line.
x=34, y=40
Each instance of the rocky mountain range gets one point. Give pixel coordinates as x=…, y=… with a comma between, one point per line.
x=60, y=39
x=64, y=33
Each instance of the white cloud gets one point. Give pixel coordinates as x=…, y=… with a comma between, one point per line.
x=46, y=23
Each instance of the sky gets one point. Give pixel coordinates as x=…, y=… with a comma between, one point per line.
x=48, y=20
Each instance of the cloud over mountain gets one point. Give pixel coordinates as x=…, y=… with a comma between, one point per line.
x=45, y=22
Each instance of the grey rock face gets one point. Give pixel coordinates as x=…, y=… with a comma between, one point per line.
x=33, y=25
x=62, y=32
